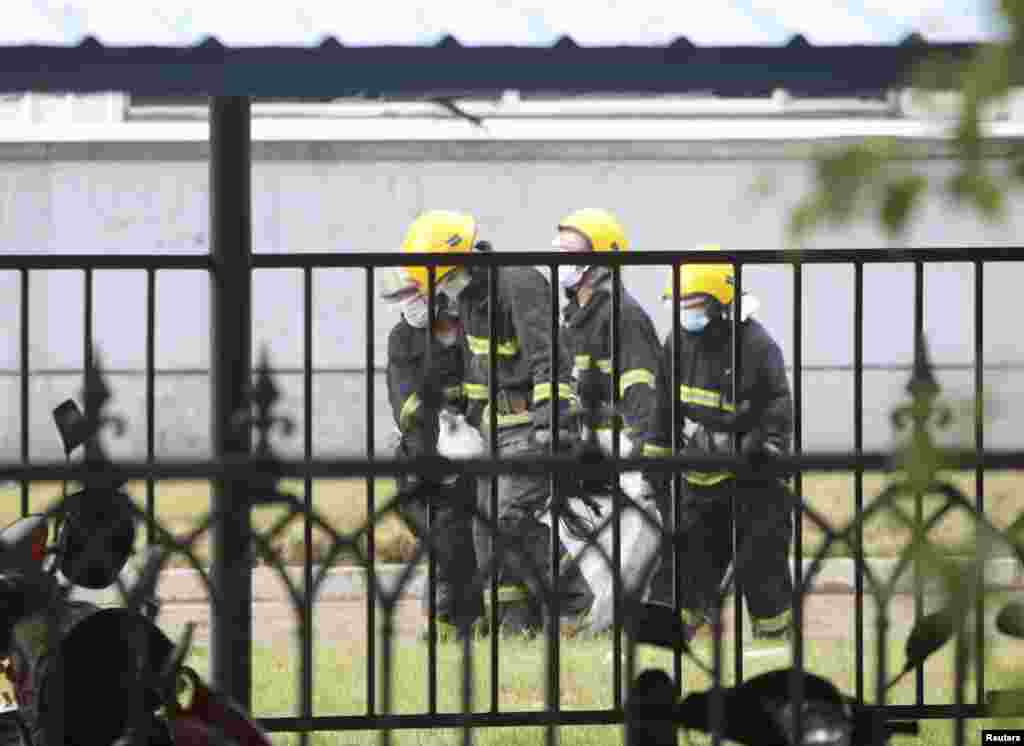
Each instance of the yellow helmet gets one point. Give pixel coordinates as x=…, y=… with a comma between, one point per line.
x=600, y=227
x=715, y=280
x=438, y=232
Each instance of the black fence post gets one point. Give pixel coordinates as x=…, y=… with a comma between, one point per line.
x=230, y=356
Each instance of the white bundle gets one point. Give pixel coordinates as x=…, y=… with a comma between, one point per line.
x=631, y=482
x=457, y=439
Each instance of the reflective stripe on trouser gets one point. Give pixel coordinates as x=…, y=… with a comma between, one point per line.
x=704, y=551
x=526, y=540
x=772, y=625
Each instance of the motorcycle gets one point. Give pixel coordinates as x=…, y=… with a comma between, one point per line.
x=83, y=675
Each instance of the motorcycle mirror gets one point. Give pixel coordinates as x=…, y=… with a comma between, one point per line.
x=71, y=424
x=92, y=513
x=23, y=543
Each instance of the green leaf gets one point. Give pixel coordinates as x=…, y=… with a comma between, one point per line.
x=843, y=176
x=805, y=217
x=1017, y=168
x=901, y=196
x=1013, y=11
x=987, y=77
x=974, y=185
x=928, y=635
x=1010, y=620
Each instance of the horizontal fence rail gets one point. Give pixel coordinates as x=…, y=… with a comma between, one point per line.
x=380, y=259
x=841, y=461
x=254, y=478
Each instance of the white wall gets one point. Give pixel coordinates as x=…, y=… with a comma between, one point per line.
x=153, y=197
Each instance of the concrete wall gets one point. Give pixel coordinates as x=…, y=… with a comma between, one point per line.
x=138, y=197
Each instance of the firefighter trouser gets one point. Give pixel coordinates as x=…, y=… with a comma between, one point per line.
x=458, y=603
x=523, y=559
x=705, y=544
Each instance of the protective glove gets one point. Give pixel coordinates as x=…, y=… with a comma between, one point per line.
x=541, y=415
x=757, y=444
x=761, y=449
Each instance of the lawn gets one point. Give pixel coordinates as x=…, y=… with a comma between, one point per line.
x=586, y=683
x=342, y=504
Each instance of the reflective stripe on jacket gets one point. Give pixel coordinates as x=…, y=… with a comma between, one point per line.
x=407, y=348
x=587, y=337
x=523, y=329
x=704, y=377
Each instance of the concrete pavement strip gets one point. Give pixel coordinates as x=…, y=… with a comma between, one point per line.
x=342, y=583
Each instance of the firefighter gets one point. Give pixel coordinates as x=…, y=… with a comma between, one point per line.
x=587, y=338
x=458, y=607
x=524, y=392
x=710, y=419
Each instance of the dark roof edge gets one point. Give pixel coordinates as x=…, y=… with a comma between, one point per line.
x=449, y=69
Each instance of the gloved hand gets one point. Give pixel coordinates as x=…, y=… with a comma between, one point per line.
x=760, y=448
x=541, y=415
x=584, y=481
x=757, y=444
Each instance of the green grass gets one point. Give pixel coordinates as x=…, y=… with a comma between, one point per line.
x=342, y=504
x=340, y=685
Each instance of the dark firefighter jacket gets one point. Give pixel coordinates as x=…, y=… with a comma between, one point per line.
x=704, y=378
x=407, y=348
x=523, y=330
x=587, y=336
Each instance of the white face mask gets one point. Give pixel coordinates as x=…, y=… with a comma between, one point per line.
x=694, y=319
x=416, y=311
x=571, y=275
x=454, y=284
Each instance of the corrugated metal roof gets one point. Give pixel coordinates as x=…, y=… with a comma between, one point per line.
x=449, y=69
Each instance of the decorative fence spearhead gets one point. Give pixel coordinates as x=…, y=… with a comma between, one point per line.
x=920, y=457
x=95, y=396
x=261, y=397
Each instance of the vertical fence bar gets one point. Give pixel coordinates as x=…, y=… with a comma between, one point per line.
x=150, y=401
x=616, y=344
x=858, y=475
x=675, y=476
x=979, y=470
x=230, y=353
x=306, y=691
x=492, y=424
x=87, y=350
x=554, y=691
x=23, y=365
x=387, y=631
x=737, y=377
x=371, y=509
x=960, y=685
x=918, y=498
x=428, y=362
x=797, y=629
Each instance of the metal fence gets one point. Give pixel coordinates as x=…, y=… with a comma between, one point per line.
x=244, y=478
